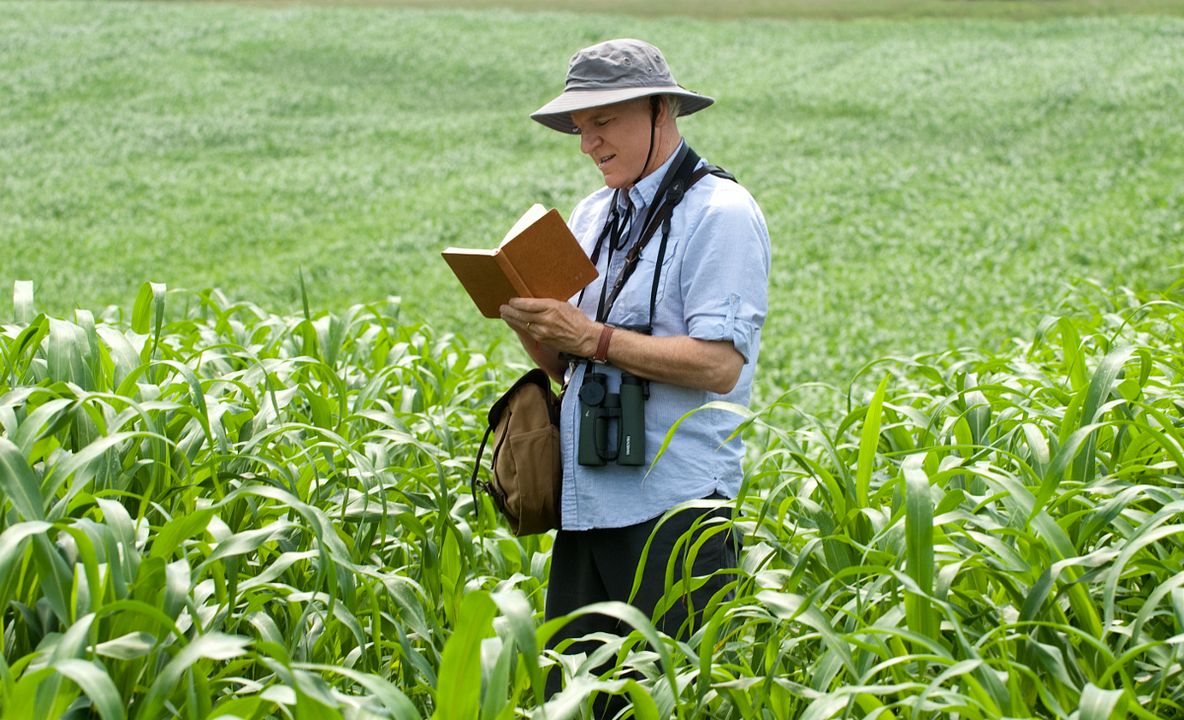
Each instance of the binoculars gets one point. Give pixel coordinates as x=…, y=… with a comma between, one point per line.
x=601, y=410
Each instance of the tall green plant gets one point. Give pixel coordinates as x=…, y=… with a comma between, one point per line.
x=212, y=510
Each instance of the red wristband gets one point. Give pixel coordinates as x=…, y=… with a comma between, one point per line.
x=601, y=355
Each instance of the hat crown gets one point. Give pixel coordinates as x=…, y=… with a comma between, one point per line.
x=614, y=72
x=618, y=64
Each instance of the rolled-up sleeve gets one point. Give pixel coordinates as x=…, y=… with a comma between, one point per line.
x=725, y=272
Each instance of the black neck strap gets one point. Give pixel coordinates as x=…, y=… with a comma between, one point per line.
x=677, y=181
x=670, y=192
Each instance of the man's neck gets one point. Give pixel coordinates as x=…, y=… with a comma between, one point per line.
x=667, y=140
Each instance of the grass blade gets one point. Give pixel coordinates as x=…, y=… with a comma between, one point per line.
x=869, y=440
x=459, y=684
x=919, y=548
x=97, y=685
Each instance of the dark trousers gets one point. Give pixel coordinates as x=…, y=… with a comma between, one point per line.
x=590, y=566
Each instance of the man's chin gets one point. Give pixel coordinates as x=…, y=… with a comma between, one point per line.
x=614, y=181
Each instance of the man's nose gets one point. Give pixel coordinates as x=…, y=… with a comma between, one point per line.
x=588, y=142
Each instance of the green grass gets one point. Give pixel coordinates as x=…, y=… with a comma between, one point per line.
x=211, y=510
x=789, y=9
x=927, y=184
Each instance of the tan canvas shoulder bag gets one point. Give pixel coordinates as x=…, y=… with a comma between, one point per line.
x=526, y=469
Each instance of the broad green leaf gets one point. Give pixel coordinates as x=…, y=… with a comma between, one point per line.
x=12, y=547
x=127, y=647
x=178, y=530
x=74, y=641
x=148, y=310
x=786, y=606
x=211, y=646
x=498, y=661
x=243, y=708
x=124, y=356
x=68, y=354
x=393, y=699
x=641, y=701
x=458, y=688
x=96, y=684
x=122, y=543
x=246, y=541
x=85, y=320
x=1101, y=385
x=519, y=617
x=919, y=547
x=1073, y=363
x=1098, y=704
x=869, y=440
x=19, y=485
x=38, y=694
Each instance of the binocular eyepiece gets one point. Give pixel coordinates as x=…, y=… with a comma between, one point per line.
x=600, y=410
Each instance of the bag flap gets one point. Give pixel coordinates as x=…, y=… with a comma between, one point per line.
x=538, y=377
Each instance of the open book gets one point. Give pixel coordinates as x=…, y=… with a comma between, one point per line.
x=538, y=258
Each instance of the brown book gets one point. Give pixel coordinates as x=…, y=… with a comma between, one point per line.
x=538, y=258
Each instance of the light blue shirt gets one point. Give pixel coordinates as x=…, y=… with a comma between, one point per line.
x=713, y=286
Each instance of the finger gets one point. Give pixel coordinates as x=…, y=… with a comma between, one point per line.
x=519, y=322
x=512, y=315
x=533, y=305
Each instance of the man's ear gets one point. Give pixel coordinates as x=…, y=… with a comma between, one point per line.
x=663, y=115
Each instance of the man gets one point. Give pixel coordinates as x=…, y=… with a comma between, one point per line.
x=681, y=320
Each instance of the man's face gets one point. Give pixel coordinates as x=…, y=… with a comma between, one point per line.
x=617, y=138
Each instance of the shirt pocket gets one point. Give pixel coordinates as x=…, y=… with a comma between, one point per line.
x=633, y=306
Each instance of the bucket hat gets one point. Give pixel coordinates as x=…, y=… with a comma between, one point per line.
x=611, y=72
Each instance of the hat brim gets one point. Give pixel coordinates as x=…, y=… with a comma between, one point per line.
x=557, y=113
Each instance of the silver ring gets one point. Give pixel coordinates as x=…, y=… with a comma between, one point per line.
x=528, y=326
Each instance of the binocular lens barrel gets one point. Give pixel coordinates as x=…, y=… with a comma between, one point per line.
x=631, y=431
x=600, y=410
x=592, y=396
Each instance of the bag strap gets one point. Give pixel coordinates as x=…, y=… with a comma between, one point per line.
x=477, y=468
x=668, y=194
x=681, y=176
x=683, y=180
x=676, y=193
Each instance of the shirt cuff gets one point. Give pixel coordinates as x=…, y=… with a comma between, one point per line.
x=725, y=327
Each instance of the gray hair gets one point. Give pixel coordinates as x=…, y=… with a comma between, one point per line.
x=673, y=105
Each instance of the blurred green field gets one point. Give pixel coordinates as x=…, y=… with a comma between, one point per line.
x=790, y=9
x=928, y=184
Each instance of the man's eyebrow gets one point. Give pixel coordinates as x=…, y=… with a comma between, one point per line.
x=592, y=120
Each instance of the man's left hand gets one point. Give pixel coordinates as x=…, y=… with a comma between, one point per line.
x=555, y=323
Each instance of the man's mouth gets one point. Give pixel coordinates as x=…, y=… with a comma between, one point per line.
x=601, y=161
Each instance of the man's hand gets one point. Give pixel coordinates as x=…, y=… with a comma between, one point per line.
x=554, y=323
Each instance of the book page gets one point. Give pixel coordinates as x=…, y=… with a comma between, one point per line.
x=535, y=212
x=466, y=251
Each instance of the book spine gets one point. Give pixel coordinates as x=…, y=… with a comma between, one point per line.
x=512, y=275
